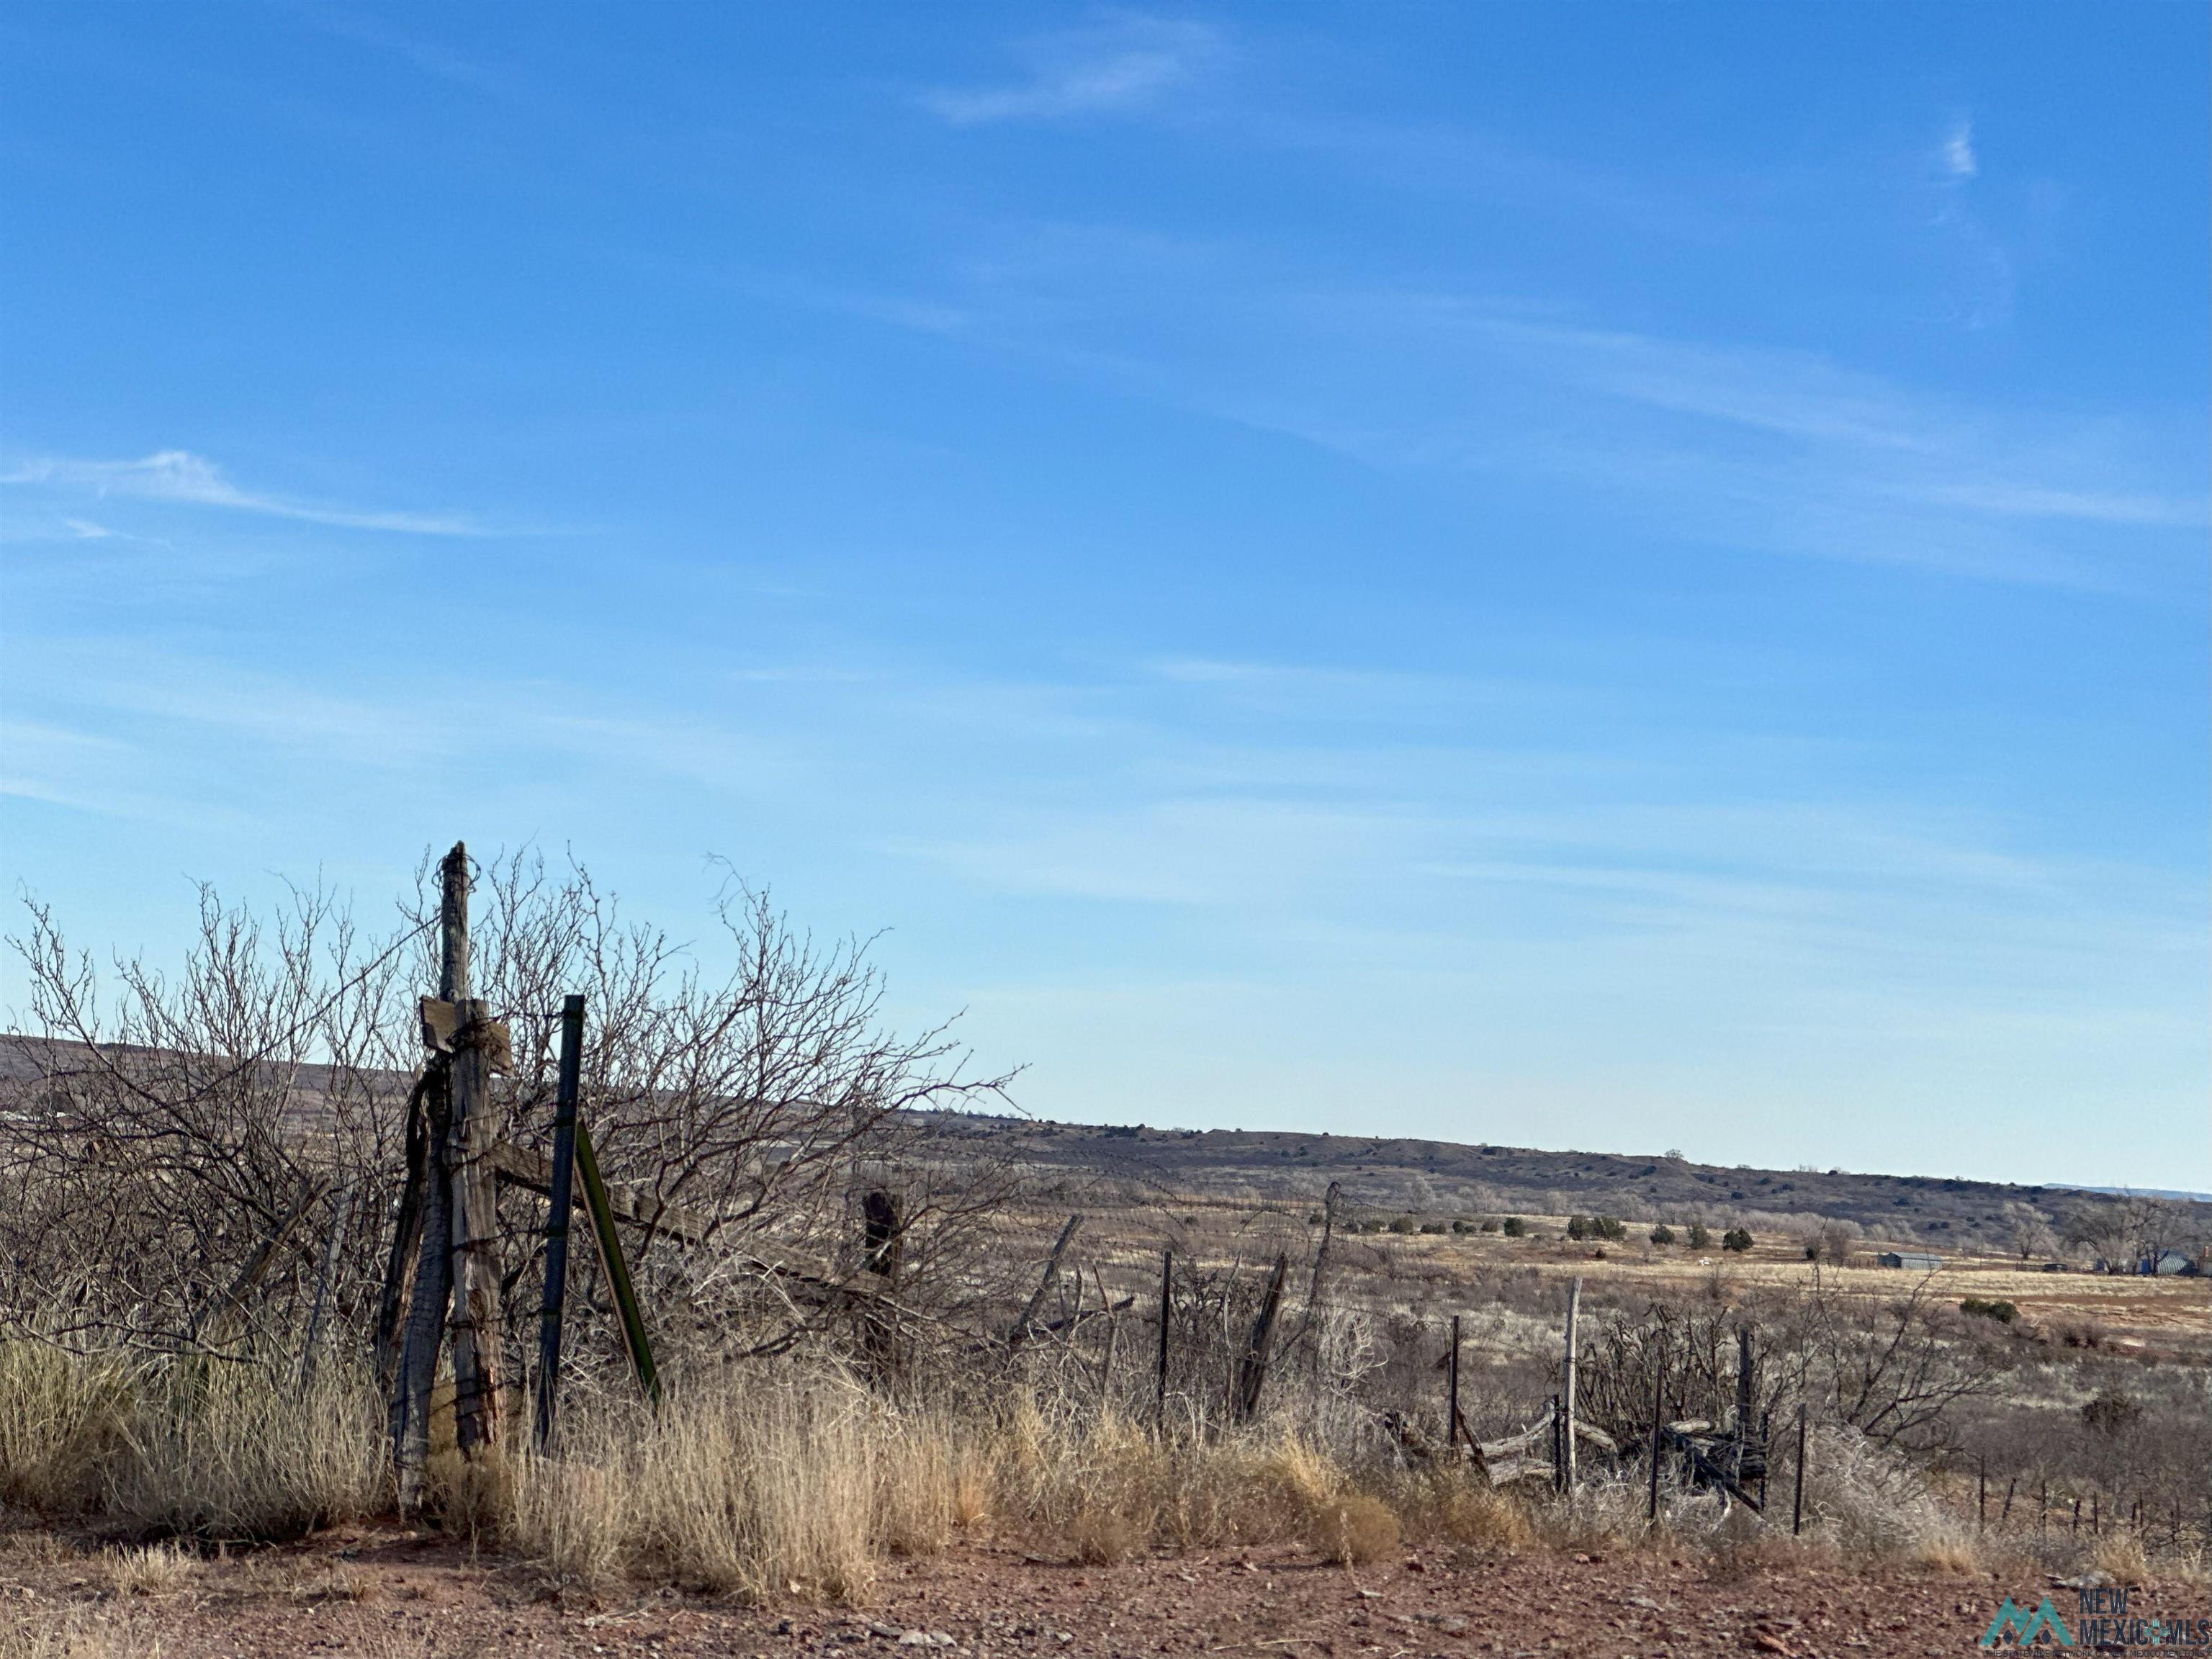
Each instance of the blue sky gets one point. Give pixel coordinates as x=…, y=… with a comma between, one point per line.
x=1620, y=579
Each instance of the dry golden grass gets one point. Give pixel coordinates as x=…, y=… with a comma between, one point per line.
x=77, y=1632
x=149, y=1569
x=2122, y=1555
x=796, y=1489
x=189, y=1447
x=1948, y=1550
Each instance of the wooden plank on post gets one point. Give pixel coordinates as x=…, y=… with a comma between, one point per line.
x=632, y=1317
x=428, y=1301
x=406, y=1231
x=558, y=1213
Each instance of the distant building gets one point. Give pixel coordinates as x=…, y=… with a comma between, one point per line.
x=1918, y=1262
x=2170, y=1261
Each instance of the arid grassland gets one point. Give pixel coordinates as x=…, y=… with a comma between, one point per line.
x=928, y=1376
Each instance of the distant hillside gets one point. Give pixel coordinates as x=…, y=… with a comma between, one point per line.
x=1440, y=1180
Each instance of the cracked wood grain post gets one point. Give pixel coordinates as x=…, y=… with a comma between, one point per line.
x=475, y=1320
x=1567, y=1388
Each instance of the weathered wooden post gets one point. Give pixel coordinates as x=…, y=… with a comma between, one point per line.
x=1046, y=1280
x=1658, y=1396
x=1797, y=1498
x=1167, y=1311
x=428, y=1298
x=1567, y=1389
x=1981, y=1494
x=476, y=1303
x=1252, y=1368
x=1451, y=1389
x=556, y=1217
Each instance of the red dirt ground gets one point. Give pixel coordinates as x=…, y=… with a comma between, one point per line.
x=392, y=1594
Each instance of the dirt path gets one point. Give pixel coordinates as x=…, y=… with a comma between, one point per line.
x=392, y=1596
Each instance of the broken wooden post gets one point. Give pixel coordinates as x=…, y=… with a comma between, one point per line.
x=557, y=1213
x=1797, y=1500
x=1252, y=1369
x=1567, y=1388
x=1020, y=1333
x=1167, y=1309
x=1451, y=1389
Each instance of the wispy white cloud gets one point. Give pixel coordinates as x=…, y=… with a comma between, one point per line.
x=1125, y=65
x=178, y=476
x=1956, y=157
x=1766, y=448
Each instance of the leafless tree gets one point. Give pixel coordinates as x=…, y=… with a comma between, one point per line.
x=179, y=1160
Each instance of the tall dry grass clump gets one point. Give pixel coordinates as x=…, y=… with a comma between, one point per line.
x=62, y=1425
x=156, y=1447
x=795, y=1485
x=1113, y=1488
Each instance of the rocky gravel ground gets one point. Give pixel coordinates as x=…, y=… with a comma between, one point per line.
x=393, y=1594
